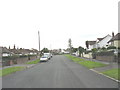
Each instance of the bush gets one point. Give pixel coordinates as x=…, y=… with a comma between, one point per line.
x=10, y=57
x=105, y=53
x=86, y=52
x=94, y=50
x=111, y=47
x=103, y=48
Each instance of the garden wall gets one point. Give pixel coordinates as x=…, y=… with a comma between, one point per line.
x=18, y=60
x=107, y=56
x=89, y=55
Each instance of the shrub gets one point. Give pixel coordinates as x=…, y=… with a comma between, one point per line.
x=111, y=47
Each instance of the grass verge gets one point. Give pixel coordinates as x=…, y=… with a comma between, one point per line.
x=10, y=70
x=92, y=64
x=88, y=64
x=112, y=73
x=34, y=62
x=75, y=59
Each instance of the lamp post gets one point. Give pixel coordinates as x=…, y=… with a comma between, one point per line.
x=39, y=42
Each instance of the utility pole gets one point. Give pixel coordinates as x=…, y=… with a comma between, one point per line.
x=70, y=45
x=39, y=42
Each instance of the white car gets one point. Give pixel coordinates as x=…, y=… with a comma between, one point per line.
x=51, y=55
x=48, y=55
x=44, y=58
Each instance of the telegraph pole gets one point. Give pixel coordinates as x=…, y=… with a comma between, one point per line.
x=39, y=42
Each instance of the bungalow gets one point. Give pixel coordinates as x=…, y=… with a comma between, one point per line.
x=15, y=51
x=6, y=52
x=35, y=51
x=115, y=41
x=28, y=51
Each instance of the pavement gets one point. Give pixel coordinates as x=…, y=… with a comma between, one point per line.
x=59, y=72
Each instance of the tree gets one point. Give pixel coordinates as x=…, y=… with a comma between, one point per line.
x=45, y=50
x=81, y=50
x=70, y=45
x=94, y=51
x=103, y=48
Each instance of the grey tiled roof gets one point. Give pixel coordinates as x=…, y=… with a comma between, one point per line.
x=91, y=42
x=5, y=50
x=116, y=37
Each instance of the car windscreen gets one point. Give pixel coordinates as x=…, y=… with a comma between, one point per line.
x=44, y=56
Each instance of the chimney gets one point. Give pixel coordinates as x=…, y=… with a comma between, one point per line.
x=112, y=34
x=14, y=46
x=9, y=47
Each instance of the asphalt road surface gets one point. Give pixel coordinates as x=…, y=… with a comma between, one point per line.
x=59, y=72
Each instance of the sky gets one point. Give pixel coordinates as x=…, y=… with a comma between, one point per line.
x=57, y=21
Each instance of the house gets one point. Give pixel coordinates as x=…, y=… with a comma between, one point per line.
x=115, y=40
x=99, y=43
x=35, y=51
x=23, y=51
x=56, y=51
x=15, y=51
x=6, y=52
x=103, y=42
x=91, y=44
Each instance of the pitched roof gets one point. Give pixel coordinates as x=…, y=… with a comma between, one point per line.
x=100, y=39
x=5, y=50
x=91, y=42
x=116, y=37
x=15, y=51
x=24, y=51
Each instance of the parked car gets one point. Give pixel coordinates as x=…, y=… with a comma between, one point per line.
x=51, y=55
x=48, y=55
x=74, y=53
x=44, y=58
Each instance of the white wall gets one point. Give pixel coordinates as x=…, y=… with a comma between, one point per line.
x=103, y=42
x=5, y=54
x=91, y=47
x=89, y=55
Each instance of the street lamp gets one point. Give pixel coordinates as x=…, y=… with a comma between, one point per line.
x=39, y=42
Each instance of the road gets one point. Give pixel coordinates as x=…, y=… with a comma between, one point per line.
x=59, y=72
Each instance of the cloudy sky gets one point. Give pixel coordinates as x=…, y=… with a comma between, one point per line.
x=57, y=21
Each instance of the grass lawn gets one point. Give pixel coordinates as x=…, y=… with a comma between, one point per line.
x=88, y=64
x=34, y=62
x=92, y=64
x=7, y=71
x=112, y=73
x=75, y=59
